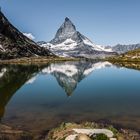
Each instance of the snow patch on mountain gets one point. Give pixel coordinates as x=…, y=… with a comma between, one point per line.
x=68, y=44
x=96, y=47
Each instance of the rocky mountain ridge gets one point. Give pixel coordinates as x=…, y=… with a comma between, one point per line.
x=121, y=49
x=13, y=44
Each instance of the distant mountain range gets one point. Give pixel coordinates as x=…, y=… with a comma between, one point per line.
x=13, y=44
x=121, y=49
x=68, y=42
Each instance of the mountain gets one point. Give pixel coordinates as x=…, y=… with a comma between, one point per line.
x=68, y=42
x=69, y=74
x=121, y=49
x=13, y=44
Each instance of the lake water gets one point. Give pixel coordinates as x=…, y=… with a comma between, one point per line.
x=41, y=97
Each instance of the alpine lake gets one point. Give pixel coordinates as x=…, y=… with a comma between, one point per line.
x=40, y=97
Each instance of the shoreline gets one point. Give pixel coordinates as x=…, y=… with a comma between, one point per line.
x=37, y=60
x=45, y=60
x=65, y=129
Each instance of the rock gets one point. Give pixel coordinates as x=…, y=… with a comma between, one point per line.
x=67, y=132
x=106, y=132
x=82, y=137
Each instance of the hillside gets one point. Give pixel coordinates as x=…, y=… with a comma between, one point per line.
x=13, y=44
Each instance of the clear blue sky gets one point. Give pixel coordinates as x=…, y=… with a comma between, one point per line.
x=106, y=22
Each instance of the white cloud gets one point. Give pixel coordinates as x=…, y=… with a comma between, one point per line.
x=29, y=35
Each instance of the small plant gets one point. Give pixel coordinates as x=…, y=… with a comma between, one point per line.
x=114, y=130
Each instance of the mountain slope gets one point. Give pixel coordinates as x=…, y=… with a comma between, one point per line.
x=69, y=42
x=13, y=44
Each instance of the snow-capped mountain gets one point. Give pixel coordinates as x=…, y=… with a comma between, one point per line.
x=69, y=74
x=68, y=42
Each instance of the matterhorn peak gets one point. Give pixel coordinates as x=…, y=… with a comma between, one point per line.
x=69, y=25
x=67, y=19
x=68, y=42
x=66, y=31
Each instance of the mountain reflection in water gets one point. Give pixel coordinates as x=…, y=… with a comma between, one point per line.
x=69, y=74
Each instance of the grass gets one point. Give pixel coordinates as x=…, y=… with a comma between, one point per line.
x=130, y=56
x=100, y=137
x=36, y=60
x=122, y=59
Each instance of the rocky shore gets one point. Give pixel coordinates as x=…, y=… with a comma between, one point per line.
x=102, y=132
x=71, y=131
x=9, y=133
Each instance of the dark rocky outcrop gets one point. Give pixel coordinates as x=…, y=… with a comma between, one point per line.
x=13, y=44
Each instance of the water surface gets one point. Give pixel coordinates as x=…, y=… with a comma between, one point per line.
x=41, y=97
